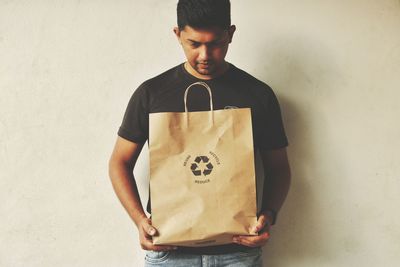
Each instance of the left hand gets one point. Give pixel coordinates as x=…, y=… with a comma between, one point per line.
x=262, y=228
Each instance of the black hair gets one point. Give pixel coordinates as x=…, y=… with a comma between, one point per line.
x=204, y=13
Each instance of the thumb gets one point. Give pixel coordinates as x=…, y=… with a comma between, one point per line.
x=149, y=229
x=260, y=223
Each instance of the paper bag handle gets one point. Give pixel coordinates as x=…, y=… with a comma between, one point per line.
x=211, y=102
x=209, y=92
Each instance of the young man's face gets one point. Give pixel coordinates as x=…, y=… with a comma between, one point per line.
x=205, y=49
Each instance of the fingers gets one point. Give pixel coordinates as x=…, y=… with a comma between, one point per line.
x=146, y=233
x=150, y=230
x=252, y=241
x=147, y=244
x=261, y=228
x=147, y=228
x=262, y=220
x=162, y=248
x=263, y=223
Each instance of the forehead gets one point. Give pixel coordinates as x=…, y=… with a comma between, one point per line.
x=203, y=35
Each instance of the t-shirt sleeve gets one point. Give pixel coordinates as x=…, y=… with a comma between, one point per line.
x=135, y=123
x=272, y=131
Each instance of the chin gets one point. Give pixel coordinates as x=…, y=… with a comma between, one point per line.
x=205, y=71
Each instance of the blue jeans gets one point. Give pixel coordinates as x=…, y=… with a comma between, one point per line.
x=251, y=258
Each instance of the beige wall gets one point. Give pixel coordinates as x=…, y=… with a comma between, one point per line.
x=68, y=68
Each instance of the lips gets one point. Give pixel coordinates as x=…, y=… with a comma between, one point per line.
x=204, y=65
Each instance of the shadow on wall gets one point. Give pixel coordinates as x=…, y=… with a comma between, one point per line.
x=301, y=71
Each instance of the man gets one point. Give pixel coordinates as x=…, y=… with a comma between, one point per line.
x=204, y=31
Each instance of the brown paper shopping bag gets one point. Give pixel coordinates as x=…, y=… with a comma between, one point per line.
x=202, y=178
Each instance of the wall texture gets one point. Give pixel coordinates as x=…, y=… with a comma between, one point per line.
x=68, y=69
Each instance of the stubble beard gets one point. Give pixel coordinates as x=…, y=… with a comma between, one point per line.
x=205, y=71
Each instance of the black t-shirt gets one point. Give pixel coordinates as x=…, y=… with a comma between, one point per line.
x=233, y=89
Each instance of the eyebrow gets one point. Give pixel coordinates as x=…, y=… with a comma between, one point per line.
x=196, y=42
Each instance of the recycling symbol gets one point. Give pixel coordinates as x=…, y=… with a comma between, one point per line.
x=201, y=165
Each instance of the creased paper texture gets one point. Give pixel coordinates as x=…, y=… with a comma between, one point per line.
x=202, y=178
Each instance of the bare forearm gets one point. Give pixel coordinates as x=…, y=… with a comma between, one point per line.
x=125, y=188
x=276, y=188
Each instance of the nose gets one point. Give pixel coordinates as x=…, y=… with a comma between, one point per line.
x=204, y=53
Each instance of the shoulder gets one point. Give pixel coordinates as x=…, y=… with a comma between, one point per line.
x=252, y=84
x=160, y=80
x=150, y=87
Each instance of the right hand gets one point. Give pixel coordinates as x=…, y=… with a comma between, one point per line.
x=146, y=232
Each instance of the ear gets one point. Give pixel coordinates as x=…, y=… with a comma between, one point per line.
x=177, y=34
x=231, y=31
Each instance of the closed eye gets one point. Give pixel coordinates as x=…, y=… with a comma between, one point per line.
x=194, y=44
